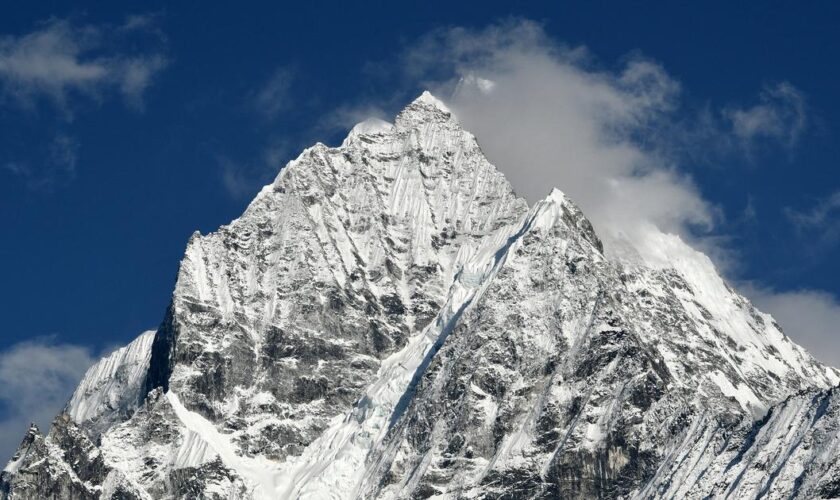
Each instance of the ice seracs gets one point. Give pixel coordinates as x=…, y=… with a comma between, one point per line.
x=388, y=319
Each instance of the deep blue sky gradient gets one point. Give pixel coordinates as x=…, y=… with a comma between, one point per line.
x=94, y=259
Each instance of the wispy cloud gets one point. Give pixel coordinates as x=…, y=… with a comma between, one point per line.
x=61, y=60
x=822, y=213
x=242, y=180
x=55, y=167
x=273, y=97
x=820, y=223
x=59, y=67
x=137, y=74
x=145, y=22
x=37, y=378
x=780, y=116
x=345, y=117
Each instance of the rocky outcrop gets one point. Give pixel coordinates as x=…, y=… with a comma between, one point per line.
x=38, y=470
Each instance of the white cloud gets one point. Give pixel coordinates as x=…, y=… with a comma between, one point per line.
x=136, y=76
x=274, y=97
x=64, y=65
x=61, y=60
x=779, y=116
x=36, y=380
x=345, y=117
x=149, y=21
x=236, y=179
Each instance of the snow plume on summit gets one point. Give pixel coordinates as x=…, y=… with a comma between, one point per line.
x=547, y=115
x=611, y=135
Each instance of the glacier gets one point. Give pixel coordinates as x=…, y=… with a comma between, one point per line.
x=388, y=319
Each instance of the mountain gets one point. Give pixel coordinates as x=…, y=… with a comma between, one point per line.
x=388, y=319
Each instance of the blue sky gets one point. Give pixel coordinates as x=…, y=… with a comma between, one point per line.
x=127, y=127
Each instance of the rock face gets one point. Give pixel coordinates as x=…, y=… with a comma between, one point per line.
x=388, y=319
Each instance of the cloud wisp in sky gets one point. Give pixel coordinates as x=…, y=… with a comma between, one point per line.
x=60, y=61
x=242, y=179
x=820, y=224
x=241, y=176
x=780, y=116
x=56, y=167
x=274, y=96
x=47, y=76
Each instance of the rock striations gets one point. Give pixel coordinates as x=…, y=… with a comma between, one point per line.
x=388, y=319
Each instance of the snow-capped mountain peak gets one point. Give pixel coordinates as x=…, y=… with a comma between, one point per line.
x=388, y=319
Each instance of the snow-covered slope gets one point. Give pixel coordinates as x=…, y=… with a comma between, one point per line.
x=112, y=389
x=388, y=319
x=791, y=452
x=572, y=375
